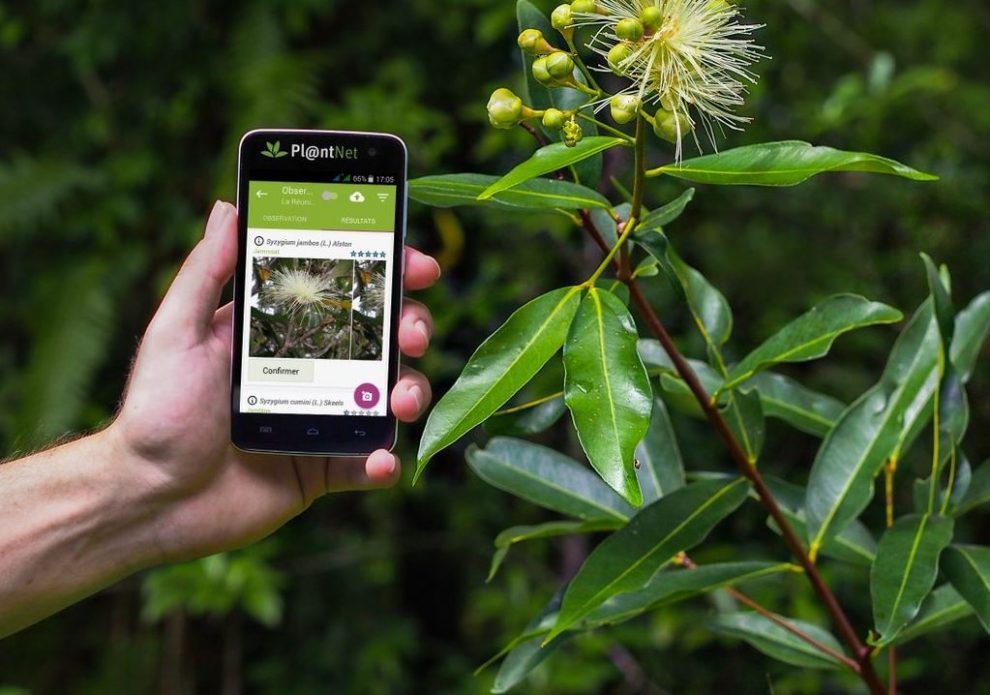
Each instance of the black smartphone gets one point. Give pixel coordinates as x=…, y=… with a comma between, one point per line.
x=318, y=290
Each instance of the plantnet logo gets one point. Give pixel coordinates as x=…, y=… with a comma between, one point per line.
x=274, y=150
x=309, y=152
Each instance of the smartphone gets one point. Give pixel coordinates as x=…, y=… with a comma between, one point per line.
x=318, y=290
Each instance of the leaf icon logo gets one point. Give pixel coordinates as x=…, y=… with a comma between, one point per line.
x=274, y=150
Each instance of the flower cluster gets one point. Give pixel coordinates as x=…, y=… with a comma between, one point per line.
x=690, y=59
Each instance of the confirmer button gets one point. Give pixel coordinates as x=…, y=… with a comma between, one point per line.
x=283, y=370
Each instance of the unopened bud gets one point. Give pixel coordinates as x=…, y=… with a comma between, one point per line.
x=618, y=55
x=562, y=18
x=505, y=109
x=560, y=65
x=652, y=18
x=572, y=133
x=625, y=108
x=668, y=101
x=533, y=42
x=540, y=72
x=554, y=119
x=671, y=126
x=586, y=6
x=629, y=29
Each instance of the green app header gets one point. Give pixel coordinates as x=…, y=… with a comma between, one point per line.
x=321, y=206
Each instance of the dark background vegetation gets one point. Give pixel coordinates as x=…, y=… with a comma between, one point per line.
x=119, y=126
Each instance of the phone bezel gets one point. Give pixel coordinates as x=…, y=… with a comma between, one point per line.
x=337, y=435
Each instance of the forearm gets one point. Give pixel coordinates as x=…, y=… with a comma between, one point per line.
x=71, y=523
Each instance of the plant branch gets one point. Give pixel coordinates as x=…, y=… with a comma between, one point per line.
x=569, y=38
x=779, y=620
x=821, y=588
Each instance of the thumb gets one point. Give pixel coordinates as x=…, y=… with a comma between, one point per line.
x=192, y=299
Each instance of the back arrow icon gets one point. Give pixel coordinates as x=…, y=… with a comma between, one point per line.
x=260, y=194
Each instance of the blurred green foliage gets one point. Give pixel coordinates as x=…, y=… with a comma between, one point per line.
x=120, y=126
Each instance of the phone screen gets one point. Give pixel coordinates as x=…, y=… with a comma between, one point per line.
x=321, y=261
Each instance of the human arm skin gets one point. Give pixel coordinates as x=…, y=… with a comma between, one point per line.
x=162, y=483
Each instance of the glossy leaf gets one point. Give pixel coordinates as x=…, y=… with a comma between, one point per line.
x=551, y=158
x=551, y=529
x=811, y=335
x=661, y=468
x=501, y=366
x=527, y=419
x=786, y=399
x=867, y=434
x=855, y=544
x=942, y=607
x=674, y=585
x=967, y=567
x=547, y=478
x=778, y=643
x=626, y=560
x=785, y=163
x=662, y=216
x=538, y=194
x=904, y=571
x=607, y=389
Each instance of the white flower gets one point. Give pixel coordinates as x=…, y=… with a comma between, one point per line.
x=693, y=61
x=298, y=289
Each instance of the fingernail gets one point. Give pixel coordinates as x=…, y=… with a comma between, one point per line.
x=217, y=217
x=437, y=264
x=417, y=393
x=421, y=326
x=391, y=465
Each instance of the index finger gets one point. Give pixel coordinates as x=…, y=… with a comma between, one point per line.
x=421, y=270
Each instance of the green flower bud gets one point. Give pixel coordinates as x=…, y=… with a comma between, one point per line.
x=540, y=72
x=554, y=119
x=668, y=101
x=652, y=18
x=572, y=133
x=532, y=41
x=629, y=29
x=560, y=65
x=666, y=125
x=617, y=56
x=505, y=109
x=625, y=108
x=586, y=6
x=562, y=18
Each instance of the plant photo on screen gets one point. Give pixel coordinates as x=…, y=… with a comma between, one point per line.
x=369, y=310
x=301, y=308
x=665, y=83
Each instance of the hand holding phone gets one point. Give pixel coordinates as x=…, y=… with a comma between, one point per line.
x=317, y=291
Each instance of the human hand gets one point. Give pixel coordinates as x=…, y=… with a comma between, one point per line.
x=172, y=435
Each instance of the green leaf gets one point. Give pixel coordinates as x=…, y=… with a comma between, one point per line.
x=538, y=194
x=547, y=478
x=527, y=419
x=625, y=560
x=744, y=414
x=661, y=217
x=942, y=607
x=967, y=567
x=499, y=368
x=550, y=529
x=979, y=490
x=855, y=544
x=551, y=158
x=867, y=434
x=661, y=468
x=670, y=586
x=777, y=642
x=905, y=569
x=785, y=399
x=528, y=653
x=708, y=306
x=811, y=335
x=782, y=164
x=607, y=389
x=972, y=326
